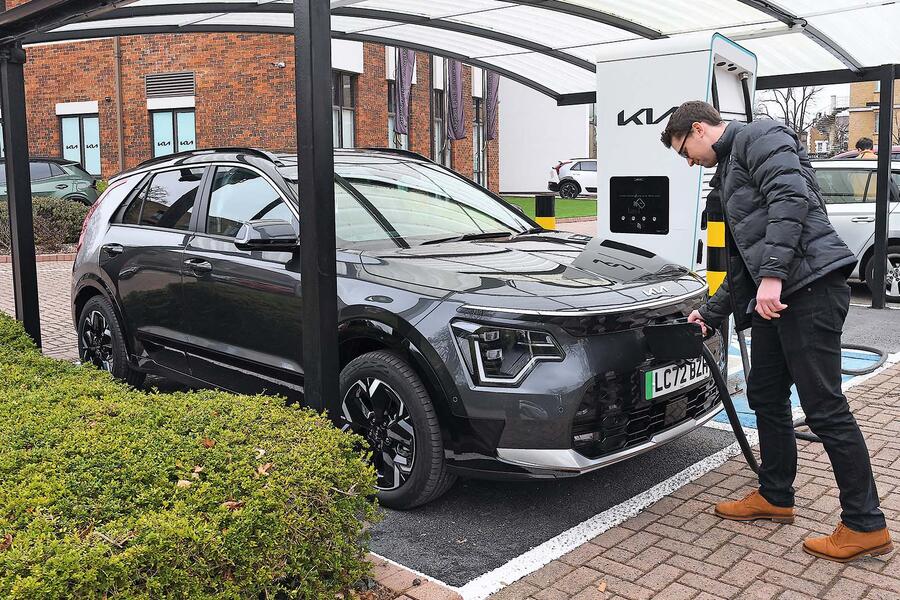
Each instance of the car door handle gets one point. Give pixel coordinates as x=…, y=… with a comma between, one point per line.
x=862, y=220
x=112, y=249
x=198, y=266
x=61, y=186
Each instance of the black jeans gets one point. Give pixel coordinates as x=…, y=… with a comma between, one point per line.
x=803, y=347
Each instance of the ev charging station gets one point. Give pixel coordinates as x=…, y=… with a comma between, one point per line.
x=647, y=196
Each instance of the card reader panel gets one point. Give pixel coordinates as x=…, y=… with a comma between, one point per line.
x=639, y=205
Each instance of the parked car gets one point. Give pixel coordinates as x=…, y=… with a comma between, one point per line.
x=472, y=342
x=848, y=188
x=895, y=153
x=573, y=177
x=58, y=178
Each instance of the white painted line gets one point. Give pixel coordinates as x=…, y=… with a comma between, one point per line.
x=537, y=557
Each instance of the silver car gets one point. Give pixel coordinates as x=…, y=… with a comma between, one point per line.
x=848, y=187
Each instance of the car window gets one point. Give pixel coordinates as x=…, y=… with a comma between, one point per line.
x=167, y=200
x=240, y=195
x=39, y=170
x=843, y=186
x=56, y=170
x=894, y=192
x=422, y=201
x=353, y=221
x=589, y=165
x=575, y=167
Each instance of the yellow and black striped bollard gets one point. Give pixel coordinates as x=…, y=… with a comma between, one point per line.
x=716, y=263
x=545, y=210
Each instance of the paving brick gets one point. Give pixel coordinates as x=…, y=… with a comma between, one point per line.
x=518, y=591
x=726, y=556
x=677, y=591
x=638, y=541
x=551, y=593
x=432, y=591
x=660, y=577
x=610, y=568
x=761, y=591
x=649, y=558
x=709, y=585
x=548, y=574
x=742, y=573
x=848, y=589
x=577, y=580
x=582, y=554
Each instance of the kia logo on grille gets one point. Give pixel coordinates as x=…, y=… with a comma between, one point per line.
x=656, y=291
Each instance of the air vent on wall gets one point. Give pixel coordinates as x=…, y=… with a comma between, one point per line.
x=165, y=85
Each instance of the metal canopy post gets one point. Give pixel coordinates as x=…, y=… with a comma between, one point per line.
x=885, y=141
x=315, y=156
x=18, y=179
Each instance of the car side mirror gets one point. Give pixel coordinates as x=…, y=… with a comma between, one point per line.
x=518, y=209
x=271, y=235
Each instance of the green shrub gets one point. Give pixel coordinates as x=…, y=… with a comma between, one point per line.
x=102, y=184
x=57, y=222
x=109, y=492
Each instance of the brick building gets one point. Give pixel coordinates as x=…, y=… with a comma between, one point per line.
x=112, y=103
x=864, y=98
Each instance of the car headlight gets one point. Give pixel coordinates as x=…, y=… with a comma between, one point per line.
x=502, y=355
x=82, y=185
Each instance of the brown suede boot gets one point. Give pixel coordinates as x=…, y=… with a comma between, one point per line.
x=845, y=544
x=752, y=507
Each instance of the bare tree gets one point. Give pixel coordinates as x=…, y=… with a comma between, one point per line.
x=792, y=106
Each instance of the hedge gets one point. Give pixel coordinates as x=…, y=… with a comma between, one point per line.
x=110, y=492
x=57, y=222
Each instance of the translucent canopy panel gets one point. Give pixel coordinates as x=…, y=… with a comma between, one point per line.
x=549, y=45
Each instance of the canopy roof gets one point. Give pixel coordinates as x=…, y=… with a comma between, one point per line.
x=550, y=45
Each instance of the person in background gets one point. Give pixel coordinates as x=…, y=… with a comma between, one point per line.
x=865, y=145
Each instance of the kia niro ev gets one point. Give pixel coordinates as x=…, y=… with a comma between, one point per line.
x=472, y=342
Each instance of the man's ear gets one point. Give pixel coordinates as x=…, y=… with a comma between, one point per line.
x=699, y=128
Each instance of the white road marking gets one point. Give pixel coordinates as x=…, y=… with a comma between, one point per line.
x=860, y=305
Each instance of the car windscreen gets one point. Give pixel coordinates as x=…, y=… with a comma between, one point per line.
x=393, y=201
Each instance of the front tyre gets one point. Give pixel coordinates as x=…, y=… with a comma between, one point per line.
x=102, y=343
x=384, y=401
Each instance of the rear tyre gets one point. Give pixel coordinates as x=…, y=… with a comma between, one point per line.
x=384, y=401
x=892, y=274
x=569, y=189
x=102, y=343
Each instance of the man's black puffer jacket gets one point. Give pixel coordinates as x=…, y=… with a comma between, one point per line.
x=775, y=218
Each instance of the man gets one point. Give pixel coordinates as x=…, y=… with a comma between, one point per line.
x=787, y=271
x=865, y=145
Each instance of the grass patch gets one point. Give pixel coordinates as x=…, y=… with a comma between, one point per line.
x=565, y=207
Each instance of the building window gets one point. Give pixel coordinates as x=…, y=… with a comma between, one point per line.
x=395, y=140
x=440, y=149
x=343, y=109
x=173, y=131
x=81, y=141
x=479, y=150
x=2, y=150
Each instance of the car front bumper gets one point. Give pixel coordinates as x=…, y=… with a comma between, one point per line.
x=553, y=186
x=569, y=461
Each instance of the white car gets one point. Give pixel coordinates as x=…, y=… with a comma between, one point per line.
x=573, y=177
x=848, y=187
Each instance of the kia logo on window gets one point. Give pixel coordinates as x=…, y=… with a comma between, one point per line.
x=644, y=116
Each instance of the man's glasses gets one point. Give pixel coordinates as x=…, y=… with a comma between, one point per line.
x=683, y=142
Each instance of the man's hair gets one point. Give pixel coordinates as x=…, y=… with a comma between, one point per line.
x=681, y=121
x=864, y=143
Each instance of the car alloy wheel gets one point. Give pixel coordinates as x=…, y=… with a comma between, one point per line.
x=372, y=409
x=569, y=190
x=892, y=276
x=96, y=341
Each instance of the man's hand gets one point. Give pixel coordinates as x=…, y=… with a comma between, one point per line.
x=695, y=317
x=768, y=298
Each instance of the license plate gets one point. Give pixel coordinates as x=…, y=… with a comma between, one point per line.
x=672, y=378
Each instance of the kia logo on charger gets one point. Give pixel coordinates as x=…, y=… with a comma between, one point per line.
x=648, y=117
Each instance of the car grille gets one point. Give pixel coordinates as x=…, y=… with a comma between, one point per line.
x=613, y=416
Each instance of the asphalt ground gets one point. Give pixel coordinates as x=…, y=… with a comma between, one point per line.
x=480, y=525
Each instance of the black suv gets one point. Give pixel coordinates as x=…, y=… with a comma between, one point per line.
x=472, y=341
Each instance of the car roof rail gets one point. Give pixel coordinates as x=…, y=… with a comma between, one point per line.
x=202, y=151
x=401, y=152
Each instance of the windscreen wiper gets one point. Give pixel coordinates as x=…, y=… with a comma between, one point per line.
x=469, y=236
